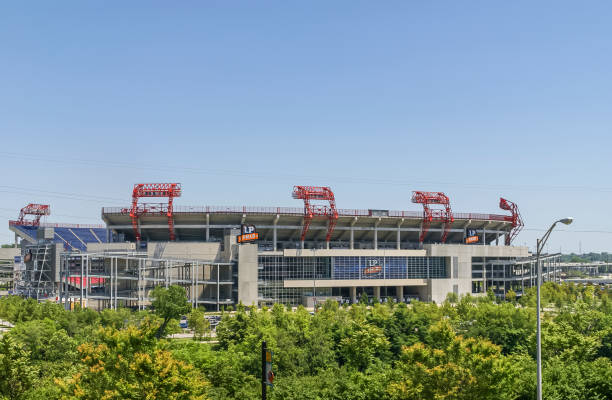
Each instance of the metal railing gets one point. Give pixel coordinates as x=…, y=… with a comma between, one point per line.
x=299, y=211
x=59, y=225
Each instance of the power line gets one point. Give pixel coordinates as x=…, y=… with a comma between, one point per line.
x=372, y=181
x=79, y=195
x=568, y=230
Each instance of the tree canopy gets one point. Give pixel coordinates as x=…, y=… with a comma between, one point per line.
x=466, y=348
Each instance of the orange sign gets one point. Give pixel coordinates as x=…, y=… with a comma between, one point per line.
x=372, y=270
x=471, y=239
x=247, y=237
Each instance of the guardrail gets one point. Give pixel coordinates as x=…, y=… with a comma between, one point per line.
x=58, y=225
x=298, y=212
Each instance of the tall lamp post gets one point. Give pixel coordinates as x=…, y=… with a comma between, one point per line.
x=539, y=247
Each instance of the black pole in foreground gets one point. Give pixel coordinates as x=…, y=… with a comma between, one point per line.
x=264, y=385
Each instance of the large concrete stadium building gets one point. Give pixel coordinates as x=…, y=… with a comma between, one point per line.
x=303, y=255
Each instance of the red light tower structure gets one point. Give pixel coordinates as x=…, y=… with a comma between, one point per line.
x=169, y=190
x=515, y=219
x=37, y=210
x=445, y=215
x=317, y=193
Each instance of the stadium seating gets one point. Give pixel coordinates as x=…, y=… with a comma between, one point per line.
x=71, y=238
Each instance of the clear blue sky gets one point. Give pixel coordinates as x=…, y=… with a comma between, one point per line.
x=239, y=101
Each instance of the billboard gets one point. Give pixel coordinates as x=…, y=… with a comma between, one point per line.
x=247, y=234
x=471, y=236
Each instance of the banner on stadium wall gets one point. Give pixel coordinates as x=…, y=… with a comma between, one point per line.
x=472, y=236
x=373, y=267
x=248, y=233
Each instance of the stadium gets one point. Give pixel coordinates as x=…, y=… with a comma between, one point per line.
x=262, y=255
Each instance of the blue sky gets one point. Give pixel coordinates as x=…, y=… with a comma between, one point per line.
x=239, y=101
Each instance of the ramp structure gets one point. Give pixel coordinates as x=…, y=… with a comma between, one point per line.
x=37, y=210
x=515, y=219
x=169, y=190
x=444, y=215
x=317, y=193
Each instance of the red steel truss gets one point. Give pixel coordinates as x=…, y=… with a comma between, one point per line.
x=169, y=190
x=37, y=210
x=318, y=193
x=515, y=219
x=429, y=215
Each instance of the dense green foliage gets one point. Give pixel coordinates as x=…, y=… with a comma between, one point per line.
x=587, y=257
x=465, y=348
x=169, y=303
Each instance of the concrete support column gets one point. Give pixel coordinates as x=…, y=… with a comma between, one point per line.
x=207, y=227
x=399, y=292
x=139, y=230
x=375, y=238
x=399, y=234
x=522, y=279
x=420, y=232
x=484, y=274
x=274, y=233
x=377, y=292
x=376, y=234
x=352, y=240
x=484, y=236
x=354, y=294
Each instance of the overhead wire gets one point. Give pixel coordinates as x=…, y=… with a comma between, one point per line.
x=276, y=175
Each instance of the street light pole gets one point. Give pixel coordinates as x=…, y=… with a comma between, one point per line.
x=539, y=246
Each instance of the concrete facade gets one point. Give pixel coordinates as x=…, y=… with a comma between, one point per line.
x=257, y=273
x=10, y=253
x=247, y=274
x=460, y=281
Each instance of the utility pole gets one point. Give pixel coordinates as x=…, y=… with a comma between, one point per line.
x=264, y=384
x=267, y=376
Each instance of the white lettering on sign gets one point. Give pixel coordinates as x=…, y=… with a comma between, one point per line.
x=246, y=229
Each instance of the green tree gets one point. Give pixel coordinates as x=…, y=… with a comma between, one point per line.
x=452, y=368
x=503, y=324
x=17, y=375
x=511, y=296
x=45, y=341
x=363, y=343
x=131, y=364
x=169, y=303
x=198, y=323
x=452, y=297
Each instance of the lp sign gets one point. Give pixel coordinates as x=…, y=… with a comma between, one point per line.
x=472, y=236
x=247, y=234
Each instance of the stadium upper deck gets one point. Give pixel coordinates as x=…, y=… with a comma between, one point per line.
x=74, y=237
x=281, y=227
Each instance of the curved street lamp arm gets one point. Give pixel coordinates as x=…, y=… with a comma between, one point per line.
x=542, y=242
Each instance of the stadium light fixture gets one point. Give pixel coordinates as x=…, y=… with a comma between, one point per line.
x=539, y=247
